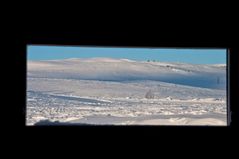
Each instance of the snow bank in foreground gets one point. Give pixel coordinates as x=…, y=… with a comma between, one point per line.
x=181, y=121
x=171, y=121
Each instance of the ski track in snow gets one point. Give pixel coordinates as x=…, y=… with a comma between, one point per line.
x=87, y=91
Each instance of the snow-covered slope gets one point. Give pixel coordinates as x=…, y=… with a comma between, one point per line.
x=107, y=69
x=113, y=91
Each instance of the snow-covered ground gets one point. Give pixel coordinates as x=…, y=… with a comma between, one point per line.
x=112, y=91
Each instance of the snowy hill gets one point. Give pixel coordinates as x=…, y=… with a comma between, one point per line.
x=108, y=69
x=113, y=92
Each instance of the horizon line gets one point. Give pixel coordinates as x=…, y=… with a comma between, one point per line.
x=136, y=60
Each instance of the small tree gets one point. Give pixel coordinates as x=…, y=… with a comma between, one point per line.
x=149, y=95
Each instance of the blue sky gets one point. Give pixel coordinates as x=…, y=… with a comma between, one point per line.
x=195, y=56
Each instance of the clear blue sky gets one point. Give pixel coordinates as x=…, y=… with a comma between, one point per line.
x=196, y=56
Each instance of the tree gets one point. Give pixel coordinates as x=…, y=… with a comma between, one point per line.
x=149, y=95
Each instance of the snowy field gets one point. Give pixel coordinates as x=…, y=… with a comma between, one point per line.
x=106, y=91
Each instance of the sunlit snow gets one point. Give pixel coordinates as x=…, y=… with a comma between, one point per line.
x=105, y=91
